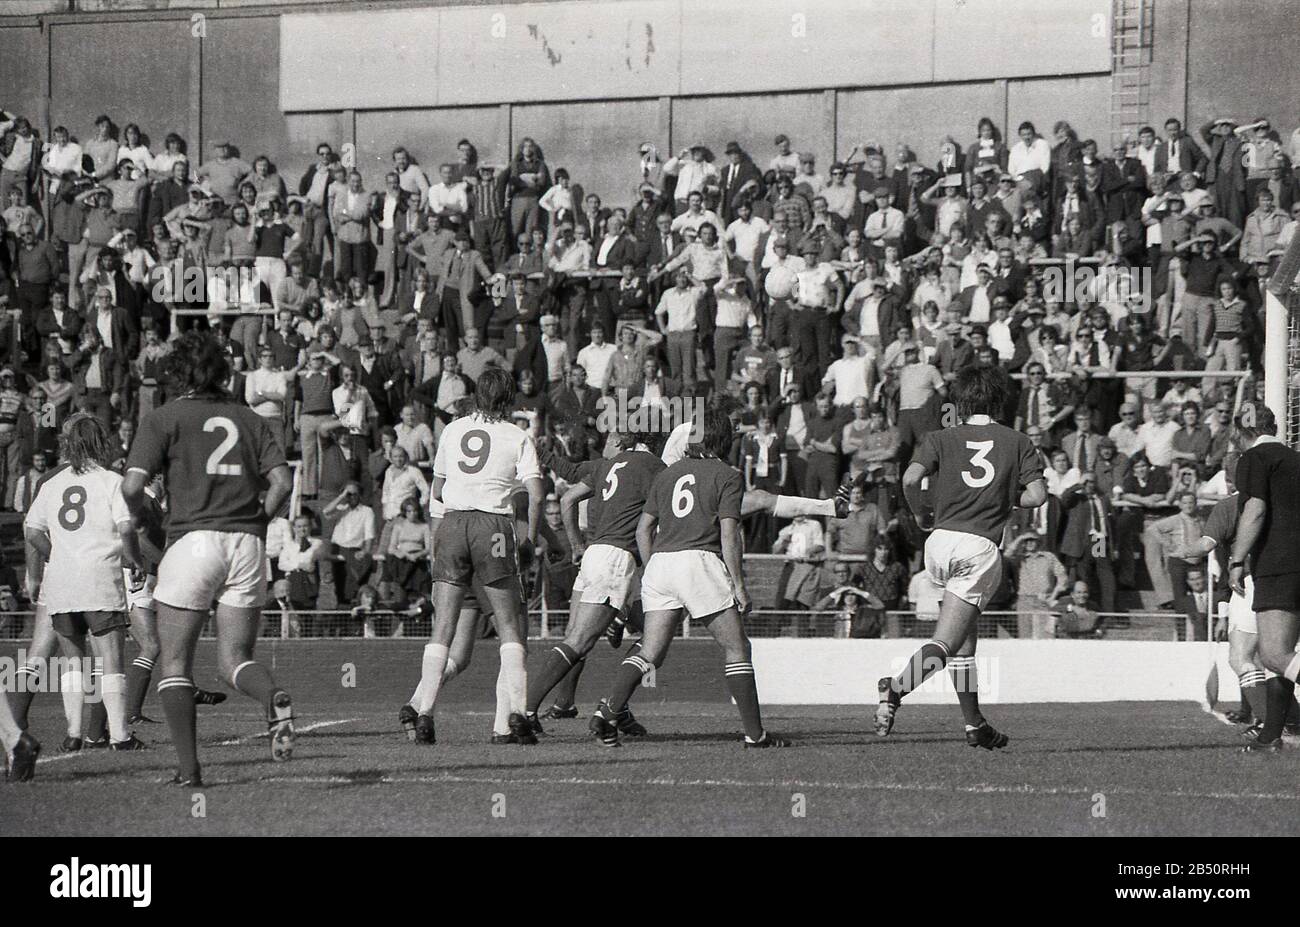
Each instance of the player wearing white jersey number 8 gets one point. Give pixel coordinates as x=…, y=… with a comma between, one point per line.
x=80, y=530
x=480, y=461
x=225, y=474
x=978, y=472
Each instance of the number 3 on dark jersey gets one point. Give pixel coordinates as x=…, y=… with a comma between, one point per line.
x=979, y=460
x=475, y=445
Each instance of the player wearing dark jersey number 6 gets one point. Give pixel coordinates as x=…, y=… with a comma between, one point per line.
x=977, y=471
x=689, y=540
x=225, y=475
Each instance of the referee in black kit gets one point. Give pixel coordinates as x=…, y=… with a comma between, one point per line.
x=1268, y=546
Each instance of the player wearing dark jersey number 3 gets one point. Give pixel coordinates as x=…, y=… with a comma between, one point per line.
x=608, y=568
x=225, y=473
x=689, y=540
x=977, y=471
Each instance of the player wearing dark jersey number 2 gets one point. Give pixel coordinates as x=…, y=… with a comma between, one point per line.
x=225, y=474
x=608, y=566
x=689, y=540
x=978, y=471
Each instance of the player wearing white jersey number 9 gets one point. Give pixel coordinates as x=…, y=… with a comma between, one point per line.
x=481, y=459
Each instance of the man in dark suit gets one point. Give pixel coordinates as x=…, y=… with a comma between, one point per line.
x=740, y=180
x=1197, y=604
x=1088, y=538
x=1178, y=153
x=592, y=216
x=786, y=374
x=652, y=379
x=610, y=253
x=427, y=393
x=658, y=250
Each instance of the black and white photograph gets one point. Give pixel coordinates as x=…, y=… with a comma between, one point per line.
x=629, y=418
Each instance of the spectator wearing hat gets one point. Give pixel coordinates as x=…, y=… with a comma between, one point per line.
x=1203, y=266
x=806, y=179
x=1225, y=175
x=460, y=278
x=853, y=376
x=885, y=224
x=693, y=172
x=1283, y=184
x=739, y=180
x=950, y=207
x=1040, y=579
x=487, y=211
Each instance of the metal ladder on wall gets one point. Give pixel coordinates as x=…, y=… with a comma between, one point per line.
x=1131, y=30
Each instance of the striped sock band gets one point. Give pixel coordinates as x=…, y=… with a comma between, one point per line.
x=566, y=654
x=1251, y=677
x=942, y=646
x=143, y=663
x=739, y=669
x=175, y=682
x=31, y=672
x=641, y=665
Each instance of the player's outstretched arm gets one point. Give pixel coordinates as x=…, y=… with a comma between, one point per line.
x=1033, y=495
x=733, y=557
x=39, y=542
x=569, y=513
x=133, y=484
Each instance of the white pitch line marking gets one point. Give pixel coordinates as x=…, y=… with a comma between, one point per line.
x=221, y=743
x=301, y=730
x=978, y=789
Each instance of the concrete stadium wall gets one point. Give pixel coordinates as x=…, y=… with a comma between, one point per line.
x=844, y=672
x=830, y=74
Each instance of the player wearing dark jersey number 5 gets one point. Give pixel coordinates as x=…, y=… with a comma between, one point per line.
x=977, y=471
x=608, y=568
x=225, y=474
x=689, y=540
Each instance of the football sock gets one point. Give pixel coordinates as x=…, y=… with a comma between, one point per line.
x=96, y=725
x=501, y=721
x=1251, y=680
x=254, y=680
x=177, y=696
x=560, y=659
x=1279, y=691
x=28, y=682
x=924, y=663
x=449, y=672
x=9, y=729
x=740, y=683
x=965, y=681
x=137, y=685
x=514, y=666
x=432, y=666
x=567, y=690
x=629, y=676
x=113, y=700
x=790, y=506
x=74, y=699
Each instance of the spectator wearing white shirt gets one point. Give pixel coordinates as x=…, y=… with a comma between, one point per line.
x=401, y=481
x=676, y=315
x=885, y=225
x=693, y=172
x=352, y=541
x=449, y=199
x=695, y=215
x=1030, y=159
x=853, y=376
x=415, y=437
x=267, y=390
x=1157, y=436
x=735, y=312
x=595, y=357
x=744, y=234
x=411, y=178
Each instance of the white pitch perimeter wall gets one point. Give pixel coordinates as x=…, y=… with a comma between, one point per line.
x=844, y=672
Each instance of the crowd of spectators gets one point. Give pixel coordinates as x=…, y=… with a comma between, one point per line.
x=830, y=303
